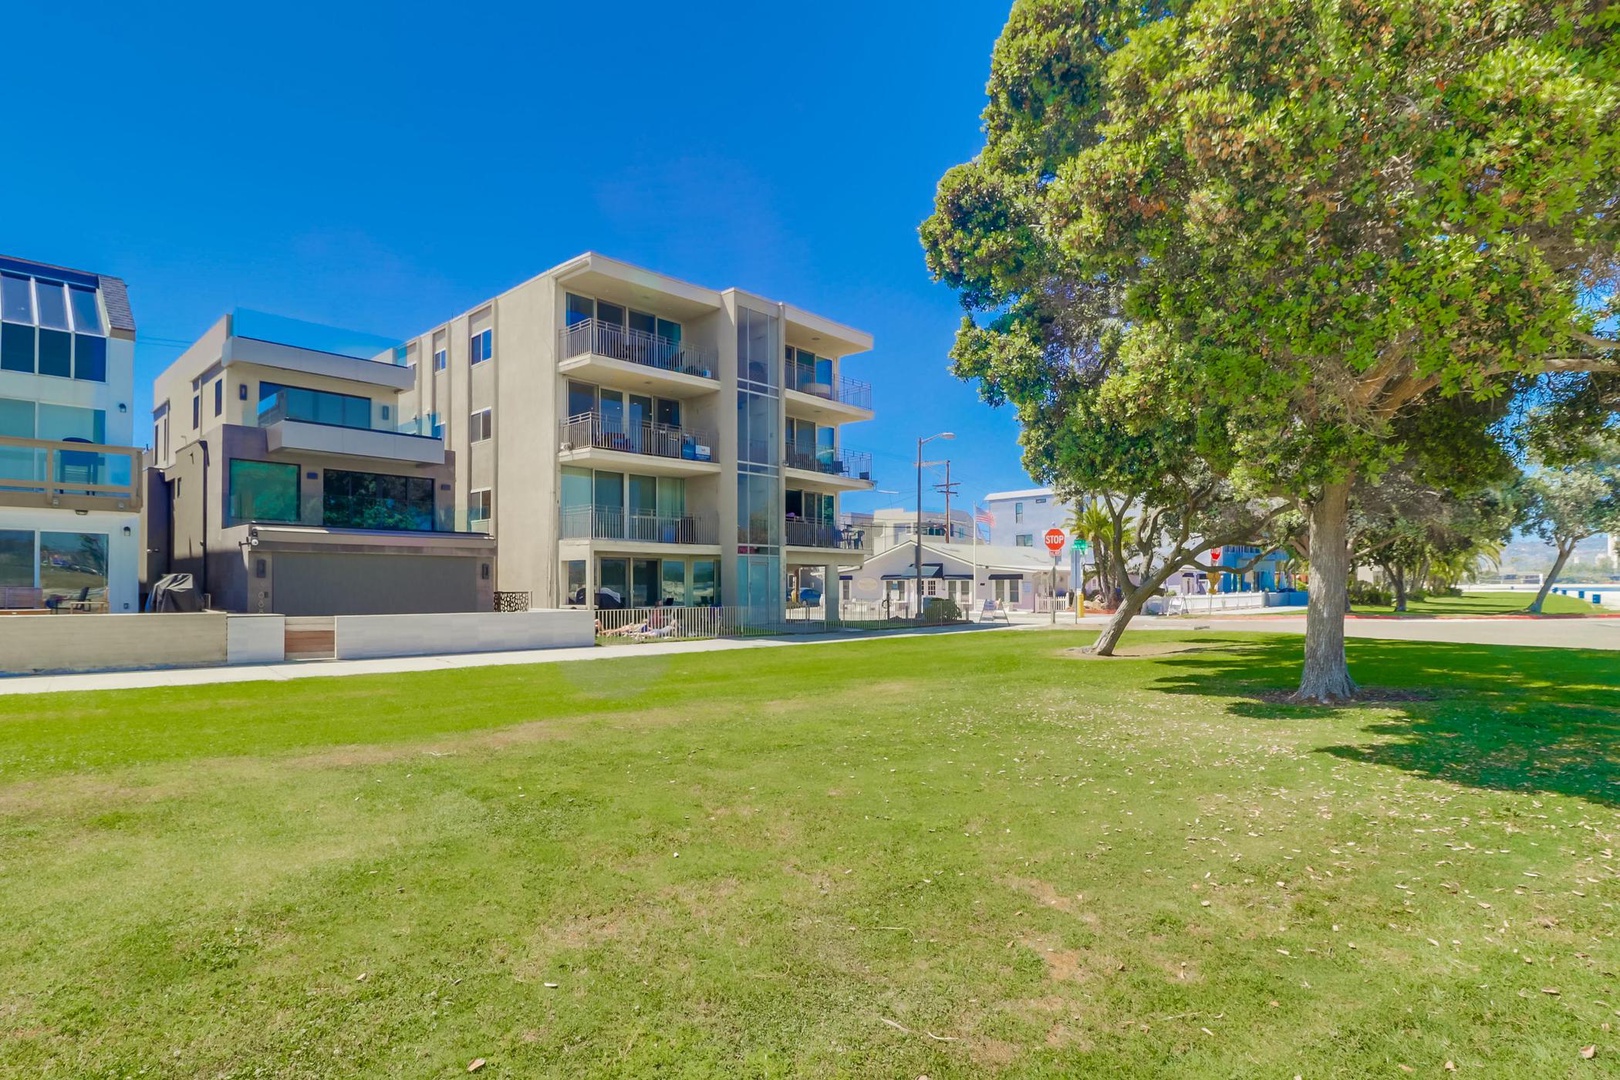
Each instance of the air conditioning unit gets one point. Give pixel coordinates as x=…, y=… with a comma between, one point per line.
x=566, y=446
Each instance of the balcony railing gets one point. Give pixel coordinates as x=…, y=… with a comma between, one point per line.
x=335, y=410
x=847, y=391
x=83, y=475
x=654, y=440
x=817, y=534
x=593, y=336
x=612, y=523
x=830, y=460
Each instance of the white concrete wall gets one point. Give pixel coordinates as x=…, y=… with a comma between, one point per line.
x=34, y=643
x=255, y=639
x=367, y=636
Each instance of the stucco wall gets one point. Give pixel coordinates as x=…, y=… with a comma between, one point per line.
x=362, y=636
x=34, y=643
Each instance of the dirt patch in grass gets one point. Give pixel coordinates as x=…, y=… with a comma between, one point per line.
x=1048, y=896
x=1141, y=650
x=1367, y=695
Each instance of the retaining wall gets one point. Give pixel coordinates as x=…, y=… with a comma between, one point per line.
x=361, y=637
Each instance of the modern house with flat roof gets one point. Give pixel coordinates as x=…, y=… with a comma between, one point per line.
x=635, y=440
x=1021, y=518
x=70, y=495
x=289, y=479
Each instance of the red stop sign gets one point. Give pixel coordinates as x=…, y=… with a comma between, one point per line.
x=1055, y=541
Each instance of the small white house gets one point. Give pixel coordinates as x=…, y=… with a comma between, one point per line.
x=886, y=584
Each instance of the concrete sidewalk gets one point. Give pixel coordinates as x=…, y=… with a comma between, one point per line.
x=321, y=669
x=1600, y=633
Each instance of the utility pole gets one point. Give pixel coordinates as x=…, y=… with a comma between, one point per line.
x=949, y=489
x=917, y=567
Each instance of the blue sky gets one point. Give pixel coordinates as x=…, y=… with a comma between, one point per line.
x=383, y=166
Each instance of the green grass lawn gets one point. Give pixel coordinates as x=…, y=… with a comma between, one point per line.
x=957, y=856
x=1490, y=603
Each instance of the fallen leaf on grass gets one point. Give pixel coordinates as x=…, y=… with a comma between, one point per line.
x=1589, y=1052
x=1553, y=991
x=475, y=1064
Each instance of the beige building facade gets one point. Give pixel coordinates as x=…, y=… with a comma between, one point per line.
x=635, y=440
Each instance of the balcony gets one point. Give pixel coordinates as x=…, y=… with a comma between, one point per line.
x=817, y=534
x=612, y=523
x=611, y=353
x=290, y=423
x=839, y=401
x=71, y=474
x=660, y=449
x=829, y=467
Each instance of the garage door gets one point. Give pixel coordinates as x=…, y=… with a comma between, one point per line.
x=322, y=584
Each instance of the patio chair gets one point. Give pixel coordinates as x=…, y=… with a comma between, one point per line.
x=81, y=602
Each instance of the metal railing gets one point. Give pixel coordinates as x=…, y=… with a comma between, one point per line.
x=593, y=336
x=80, y=475
x=818, y=534
x=612, y=523
x=830, y=460
x=841, y=389
x=671, y=623
x=644, y=437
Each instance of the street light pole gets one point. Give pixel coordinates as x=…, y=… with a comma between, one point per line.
x=917, y=558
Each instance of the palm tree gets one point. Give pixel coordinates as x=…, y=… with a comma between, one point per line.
x=1096, y=526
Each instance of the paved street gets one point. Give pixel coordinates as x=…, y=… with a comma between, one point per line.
x=1575, y=633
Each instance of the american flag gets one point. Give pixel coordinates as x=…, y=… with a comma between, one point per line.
x=983, y=516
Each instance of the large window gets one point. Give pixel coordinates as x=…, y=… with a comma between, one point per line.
x=705, y=583
x=482, y=346
x=17, y=558
x=574, y=581
x=263, y=491
x=73, y=564
x=482, y=425
x=359, y=500
x=478, y=505
x=278, y=402
x=68, y=343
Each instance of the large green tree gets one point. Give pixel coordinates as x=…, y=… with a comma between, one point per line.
x=1329, y=213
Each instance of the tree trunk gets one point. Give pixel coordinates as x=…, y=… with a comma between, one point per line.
x=1131, y=605
x=1397, y=578
x=1326, y=677
x=1552, y=576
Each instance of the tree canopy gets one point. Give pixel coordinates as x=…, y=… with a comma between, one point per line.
x=1301, y=222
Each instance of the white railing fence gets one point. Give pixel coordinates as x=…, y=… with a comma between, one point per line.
x=671, y=623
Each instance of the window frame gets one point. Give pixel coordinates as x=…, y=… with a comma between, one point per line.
x=485, y=341
x=230, y=492
x=481, y=425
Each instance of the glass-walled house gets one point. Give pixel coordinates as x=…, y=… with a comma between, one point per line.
x=287, y=480
x=69, y=493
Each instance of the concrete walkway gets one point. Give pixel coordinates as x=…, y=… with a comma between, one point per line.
x=1568, y=633
x=321, y=669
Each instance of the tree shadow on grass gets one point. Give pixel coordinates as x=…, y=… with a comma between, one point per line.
x=1501, y=717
